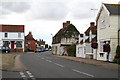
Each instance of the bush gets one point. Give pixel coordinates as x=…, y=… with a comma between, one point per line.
x=117, y=56
x=71, y=50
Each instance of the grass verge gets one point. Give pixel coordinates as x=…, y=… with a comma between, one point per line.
x=7, y=61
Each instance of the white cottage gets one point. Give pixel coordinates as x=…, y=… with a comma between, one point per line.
x=66, y=36
x=83, y=48
x=108, y=29
x=12, y=36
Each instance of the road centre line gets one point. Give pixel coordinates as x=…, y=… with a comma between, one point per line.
x=83, y=73
x=48, y=60
x=42, y=58
x=59, y=65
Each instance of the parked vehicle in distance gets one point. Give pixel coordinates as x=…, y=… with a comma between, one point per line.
x=37, y=50
x=4, y=49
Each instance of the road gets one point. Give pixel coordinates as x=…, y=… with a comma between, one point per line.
x=43, y=65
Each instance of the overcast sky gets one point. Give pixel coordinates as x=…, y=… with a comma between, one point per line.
x=45, y=17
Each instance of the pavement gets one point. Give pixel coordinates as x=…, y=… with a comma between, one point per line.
x=91, y=61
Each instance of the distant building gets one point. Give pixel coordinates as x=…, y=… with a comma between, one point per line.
x=108, y=29
x=30, y=42
x=40, y=43
x=12, y=36
x=66, y=36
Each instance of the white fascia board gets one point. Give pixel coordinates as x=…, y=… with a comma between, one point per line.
x=106, y=10
x=102, y=7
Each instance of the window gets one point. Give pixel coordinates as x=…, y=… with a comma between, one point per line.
x=28, y=42
x=6, y=34
x=18, y=44
x=103, y=24
x=101, y=46
x=19, y=35
x=6, y=43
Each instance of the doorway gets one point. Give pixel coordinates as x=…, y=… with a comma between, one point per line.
x=12, y=44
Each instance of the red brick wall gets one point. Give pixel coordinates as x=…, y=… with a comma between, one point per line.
x=32, y=45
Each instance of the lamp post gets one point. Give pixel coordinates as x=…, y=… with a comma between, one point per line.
x=94, y=11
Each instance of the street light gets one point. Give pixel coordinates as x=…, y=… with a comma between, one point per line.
x=94, y=11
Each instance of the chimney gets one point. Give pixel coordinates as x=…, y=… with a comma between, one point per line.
x=30, y=33
x=92, y=24
x=66, y=24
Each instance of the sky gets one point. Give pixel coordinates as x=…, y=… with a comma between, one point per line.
x=44, y=18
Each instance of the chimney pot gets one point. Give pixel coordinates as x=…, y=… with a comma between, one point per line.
x=92, y=24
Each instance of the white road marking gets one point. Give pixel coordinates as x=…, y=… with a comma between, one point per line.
x=22, y=74
x=48, y=60
x=59, y=65
x=42, y=58
x=83, y=73
x=29, y=74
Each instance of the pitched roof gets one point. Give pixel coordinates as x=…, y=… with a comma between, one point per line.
x=11, y=28
x=94, y=39
x=63, y=33
x=114, y=9
x=29, y=37
x=93, y=30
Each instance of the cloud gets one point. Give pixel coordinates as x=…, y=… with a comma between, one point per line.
x=49, y=10
x=17, y=7
x=82, y=10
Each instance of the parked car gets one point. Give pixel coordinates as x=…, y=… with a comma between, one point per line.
x=38, y=50
x=4, y=49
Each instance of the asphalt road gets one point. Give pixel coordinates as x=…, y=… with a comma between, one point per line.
x=43, y=65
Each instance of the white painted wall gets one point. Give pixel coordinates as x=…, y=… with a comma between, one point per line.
x=56, y=49
x=68, y=40
x=12, y=35
x=109, y=32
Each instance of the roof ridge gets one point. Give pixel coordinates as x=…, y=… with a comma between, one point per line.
x=110, y=4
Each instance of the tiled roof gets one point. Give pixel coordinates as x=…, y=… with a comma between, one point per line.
x=93, y=29
x=11, y=28
x=87, y=40
x=61, y=33
x=94, y=39
x=29, y=37
x=114, y=9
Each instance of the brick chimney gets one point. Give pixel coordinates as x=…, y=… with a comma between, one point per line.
x=30, y=33
x=65, y=24
x=92, y=24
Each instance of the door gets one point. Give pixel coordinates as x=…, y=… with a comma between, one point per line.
x=12, y=44
x=81, y=52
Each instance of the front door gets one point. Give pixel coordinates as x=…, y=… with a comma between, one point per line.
x=12, y=44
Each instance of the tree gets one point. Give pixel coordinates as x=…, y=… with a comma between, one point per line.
x=71, y=50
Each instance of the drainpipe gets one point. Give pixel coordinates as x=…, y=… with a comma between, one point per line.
x=118, y=36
